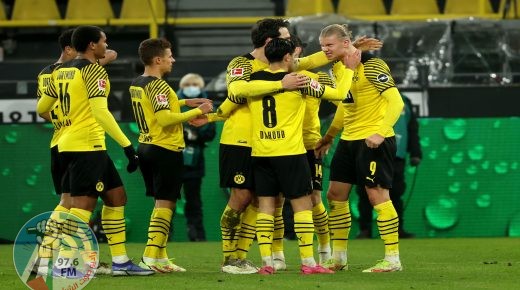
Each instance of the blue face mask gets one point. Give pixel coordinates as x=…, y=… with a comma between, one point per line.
x=191, y=91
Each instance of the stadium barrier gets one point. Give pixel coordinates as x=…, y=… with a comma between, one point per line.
x=463, y=188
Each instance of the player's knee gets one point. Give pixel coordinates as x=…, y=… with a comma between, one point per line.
x=333, y=195
x=240, y=198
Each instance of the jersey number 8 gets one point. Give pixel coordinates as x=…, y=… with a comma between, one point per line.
x=269, y=112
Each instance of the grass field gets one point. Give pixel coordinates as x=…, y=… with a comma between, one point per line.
x=485, y=263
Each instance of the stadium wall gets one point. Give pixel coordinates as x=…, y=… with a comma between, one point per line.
x=466, y=186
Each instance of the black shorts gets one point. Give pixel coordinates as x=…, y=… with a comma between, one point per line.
x=162, y=171
x=235, y=167
x=289, y=175
x=315, y=165
x=58, y=170
x=355, y=163
x=89, y=173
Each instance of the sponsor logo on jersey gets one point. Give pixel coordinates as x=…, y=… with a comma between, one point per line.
x=161, y=99
x=382, y=78
x=315, y=85
x=237, y=72
x=101, y=84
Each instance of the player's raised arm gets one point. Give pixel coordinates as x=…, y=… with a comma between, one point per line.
x=110, y=56
x=319, y=58
x=312, y=61
x=159, y=93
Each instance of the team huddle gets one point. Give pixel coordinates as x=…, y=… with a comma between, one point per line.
x=271, y=148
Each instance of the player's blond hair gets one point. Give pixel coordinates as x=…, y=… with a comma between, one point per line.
x=340, y=30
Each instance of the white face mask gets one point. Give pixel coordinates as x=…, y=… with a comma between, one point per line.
x=191, y=91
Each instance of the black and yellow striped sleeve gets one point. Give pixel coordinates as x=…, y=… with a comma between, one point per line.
x=239, y=68
x=378, y=73
x=41, y=84
x=237, y=100
x=159, y=93
x=325, y=79
x=50, y=90
x=96, y=80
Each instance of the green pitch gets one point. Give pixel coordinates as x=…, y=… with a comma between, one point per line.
x=486, y=263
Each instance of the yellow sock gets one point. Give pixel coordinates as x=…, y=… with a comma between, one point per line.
x=320, y=217
x=114, y=225
x=51, y=240
x=229, y=226
x=264, y=235
x=304, y=230
x=83, y=236
x=247, y=231
x=167, y=214
x=73, y=234
x=158, y=231
x=339, y=224
x=388, y=225
x=278, y=230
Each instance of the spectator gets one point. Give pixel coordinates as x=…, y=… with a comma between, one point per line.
x=192, y=86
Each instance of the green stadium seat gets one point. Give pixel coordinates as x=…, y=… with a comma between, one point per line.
x=91, y=9
x=468, y=7
x=35, y=10
x=407, y=7
x=308, y=7
x=352, y=8
x=139, y=9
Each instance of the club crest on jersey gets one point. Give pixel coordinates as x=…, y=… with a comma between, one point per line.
x=102, y=84
x=315, y=85
x=161, y=99
x=382, y=78
x=237, y=72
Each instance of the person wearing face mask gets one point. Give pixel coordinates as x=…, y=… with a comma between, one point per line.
x=191, y=86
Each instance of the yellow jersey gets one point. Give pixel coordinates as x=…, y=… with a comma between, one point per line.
x=278, y=118
x=237, y=127
x=44, y=79
x=149, y=96
x=311, y=119
x=73, y=84
x=364, y=108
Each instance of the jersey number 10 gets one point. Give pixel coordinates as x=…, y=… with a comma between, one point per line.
x=139, y=117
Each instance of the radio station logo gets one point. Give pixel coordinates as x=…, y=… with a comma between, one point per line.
x=56, y=250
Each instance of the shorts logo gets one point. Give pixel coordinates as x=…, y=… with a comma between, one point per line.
x=237, y=72
x=382, y=78
x=239, y=179
x=315, y=85
x=101, y=84
x=161, y=99
x=100, y=186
